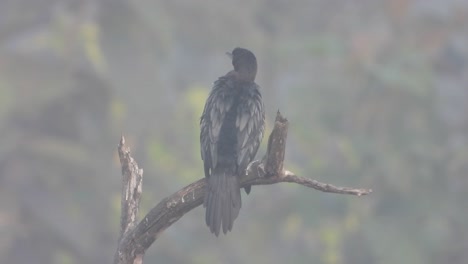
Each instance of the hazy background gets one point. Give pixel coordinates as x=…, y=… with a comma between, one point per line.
x=376, y=92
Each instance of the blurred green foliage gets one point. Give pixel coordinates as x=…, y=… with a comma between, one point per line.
x=376, y=93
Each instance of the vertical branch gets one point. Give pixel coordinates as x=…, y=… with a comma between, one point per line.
x=274, y=156
x=132, y=177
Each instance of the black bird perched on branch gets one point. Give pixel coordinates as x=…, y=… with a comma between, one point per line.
x=232, y=126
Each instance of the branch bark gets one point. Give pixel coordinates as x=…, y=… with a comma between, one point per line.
x=134, y=241
x=132, y=179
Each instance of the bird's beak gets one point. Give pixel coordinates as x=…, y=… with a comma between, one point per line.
x=229, y=54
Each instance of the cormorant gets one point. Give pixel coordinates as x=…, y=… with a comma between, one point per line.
x=232, y=126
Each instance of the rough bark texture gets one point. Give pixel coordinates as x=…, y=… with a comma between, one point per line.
x=274, y=157
x=132, y=179
x=135, y=240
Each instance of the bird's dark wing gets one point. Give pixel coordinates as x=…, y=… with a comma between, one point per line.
x=250, y=122
x=217, y=105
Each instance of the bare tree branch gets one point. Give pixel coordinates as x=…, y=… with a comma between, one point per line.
x=274, y=157
x=136, y=241
x=132, y=178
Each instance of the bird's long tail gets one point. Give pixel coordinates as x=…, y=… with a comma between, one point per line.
x=222, y=200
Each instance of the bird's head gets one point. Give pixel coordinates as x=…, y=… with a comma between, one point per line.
x=245, y=63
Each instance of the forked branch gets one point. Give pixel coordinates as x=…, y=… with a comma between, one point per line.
x=135, y=240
